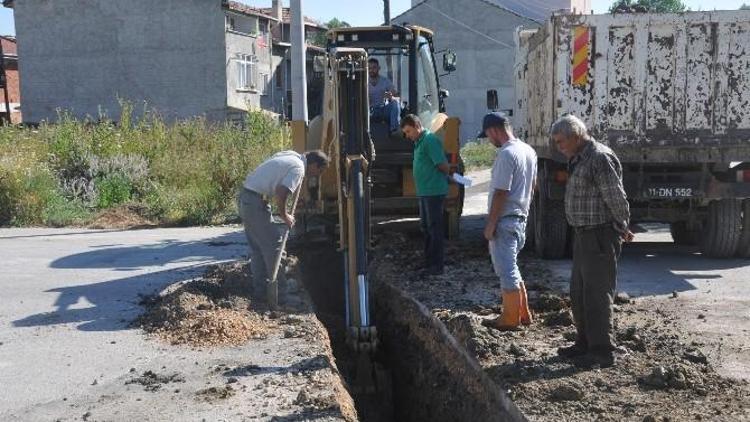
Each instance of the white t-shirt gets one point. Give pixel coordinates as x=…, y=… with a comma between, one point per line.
x=286, y=168
x=377, y=91
x=514, y=171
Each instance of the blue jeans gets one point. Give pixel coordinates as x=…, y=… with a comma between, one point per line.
x=510, y=237
x=431, y=221
x=390, y=112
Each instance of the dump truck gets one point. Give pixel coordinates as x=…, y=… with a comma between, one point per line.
x=670, y=94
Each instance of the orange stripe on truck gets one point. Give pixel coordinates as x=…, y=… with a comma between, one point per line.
x=581, y=50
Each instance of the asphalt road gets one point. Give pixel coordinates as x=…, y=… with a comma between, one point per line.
x=69, y=295
x=67, y=351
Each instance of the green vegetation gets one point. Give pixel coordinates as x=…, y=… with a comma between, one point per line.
x=745, y=6
x=320, y=39
x=661, y=6
x=478, y=155
x=185, y=173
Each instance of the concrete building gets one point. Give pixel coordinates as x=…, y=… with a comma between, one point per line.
x=281, y=32
x=11, y=87
x=482, y=34
x=183, y=58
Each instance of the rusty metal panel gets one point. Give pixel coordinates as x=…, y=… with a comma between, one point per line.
x=738, y=76
x=659, y=87
x=680, y=78
x=621, y=78
x=539, y=93
x=575, y=43
x=720, y=81
x=660, y=80
x=701, y=41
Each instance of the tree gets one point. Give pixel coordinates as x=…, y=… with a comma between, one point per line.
x=745, y=6
x=320, y=38
x=661, y=6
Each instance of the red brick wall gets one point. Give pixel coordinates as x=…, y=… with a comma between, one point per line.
x=11, y=73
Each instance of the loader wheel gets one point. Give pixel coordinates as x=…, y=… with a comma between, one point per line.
x=722, y=230
x=682, y=235
x=452, y=225
x=550, y=227
x=743, y=249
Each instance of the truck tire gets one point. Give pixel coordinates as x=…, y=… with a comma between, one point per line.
x=721, y=233
x=530, y=233
x=743, y=249
x=682, y=235
x=550, y=228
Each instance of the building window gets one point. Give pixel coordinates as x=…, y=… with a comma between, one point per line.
x=263, y=88
x=280, y=75
x=230, y=23
x=247, y=71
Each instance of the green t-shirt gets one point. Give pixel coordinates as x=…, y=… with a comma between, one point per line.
x=428, y=153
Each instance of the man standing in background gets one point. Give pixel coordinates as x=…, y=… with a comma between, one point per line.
x=431, y=171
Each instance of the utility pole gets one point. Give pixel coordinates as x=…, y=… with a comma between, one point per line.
x=387, y=12
x=299, y=74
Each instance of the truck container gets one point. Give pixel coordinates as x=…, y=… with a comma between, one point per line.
x=670, y=94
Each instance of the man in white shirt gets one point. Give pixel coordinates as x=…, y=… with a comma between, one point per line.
x=276, y=178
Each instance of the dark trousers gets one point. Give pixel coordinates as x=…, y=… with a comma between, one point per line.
x=593, y=283
x=431, y=220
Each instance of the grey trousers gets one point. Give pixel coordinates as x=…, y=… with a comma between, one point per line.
x=263, y=237
x=593, y=283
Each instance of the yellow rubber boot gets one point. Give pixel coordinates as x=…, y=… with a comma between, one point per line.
x=510, y=320
x=526, y=318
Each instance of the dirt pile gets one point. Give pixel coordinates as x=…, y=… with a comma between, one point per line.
x=660, y=375
x=213, y=310
x=129, y=216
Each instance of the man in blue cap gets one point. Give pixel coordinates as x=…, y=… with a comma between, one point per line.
x=510, y=193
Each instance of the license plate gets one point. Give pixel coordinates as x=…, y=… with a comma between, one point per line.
x=670, y=192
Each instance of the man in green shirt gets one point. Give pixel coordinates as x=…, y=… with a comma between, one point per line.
x=431, y=171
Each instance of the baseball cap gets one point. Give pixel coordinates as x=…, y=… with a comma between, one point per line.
x=493, y=119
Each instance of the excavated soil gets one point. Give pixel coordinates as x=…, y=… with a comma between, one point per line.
x=219, y=309
x=661, y=374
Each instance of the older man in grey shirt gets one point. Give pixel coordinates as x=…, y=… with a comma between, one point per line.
x=275, y=178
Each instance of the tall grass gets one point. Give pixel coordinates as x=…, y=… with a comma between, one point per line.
x=183, y=173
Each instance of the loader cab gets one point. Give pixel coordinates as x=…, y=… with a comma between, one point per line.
x=405, y=56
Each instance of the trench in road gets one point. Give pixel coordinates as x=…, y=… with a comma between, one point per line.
x=421, y=371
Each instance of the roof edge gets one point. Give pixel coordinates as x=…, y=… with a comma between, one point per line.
x=240, y=8
x=490, y=3
x=9, y=3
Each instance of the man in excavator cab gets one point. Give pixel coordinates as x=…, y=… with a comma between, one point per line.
x=384, y=104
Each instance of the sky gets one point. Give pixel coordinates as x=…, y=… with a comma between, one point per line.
x=370, y=12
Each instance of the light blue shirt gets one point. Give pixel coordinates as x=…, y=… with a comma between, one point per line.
x=514, y=170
